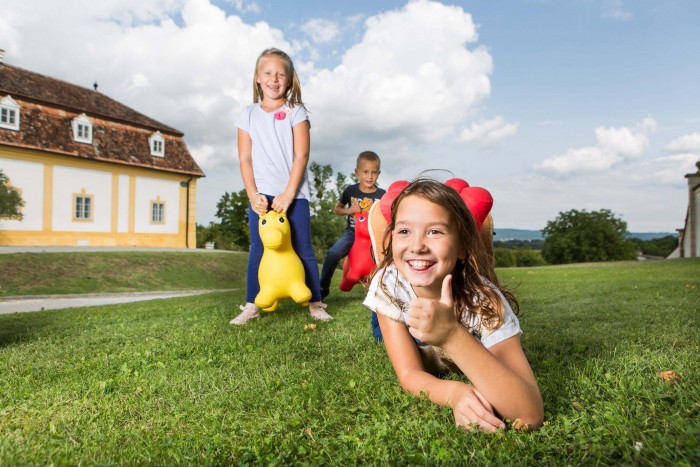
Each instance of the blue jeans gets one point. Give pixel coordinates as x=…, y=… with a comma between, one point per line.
x=376, y=331
x=300, y=221
x=338, y=251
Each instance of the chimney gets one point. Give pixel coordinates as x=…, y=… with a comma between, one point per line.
x=2, y=56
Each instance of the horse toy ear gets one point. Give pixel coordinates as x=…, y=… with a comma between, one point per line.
x=479, y=202
x=457, y=184
x=388, y=199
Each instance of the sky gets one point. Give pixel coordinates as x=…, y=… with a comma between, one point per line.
x=551, y=105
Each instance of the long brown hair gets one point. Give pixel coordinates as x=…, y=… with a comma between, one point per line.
x=292, y=94
x=474, y=281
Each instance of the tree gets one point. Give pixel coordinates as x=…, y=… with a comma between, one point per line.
x=232, y=209
x=662, y=246
x=11, y=202
x=582, y=236
x=326, y=227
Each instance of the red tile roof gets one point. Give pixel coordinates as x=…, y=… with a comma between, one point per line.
x=120, y=134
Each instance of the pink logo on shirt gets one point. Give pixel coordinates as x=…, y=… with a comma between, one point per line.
x=281, y=115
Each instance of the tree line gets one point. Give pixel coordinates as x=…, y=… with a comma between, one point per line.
x=575, y=236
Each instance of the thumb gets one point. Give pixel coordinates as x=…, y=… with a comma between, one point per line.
x=446, y=295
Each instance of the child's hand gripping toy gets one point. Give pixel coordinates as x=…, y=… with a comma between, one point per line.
x=281, y=273
x=359, y=262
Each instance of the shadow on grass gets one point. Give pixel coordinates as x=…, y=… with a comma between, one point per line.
x=21, y=327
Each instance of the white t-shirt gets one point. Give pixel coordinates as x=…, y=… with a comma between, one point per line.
x=403, y=295
x=272, y=150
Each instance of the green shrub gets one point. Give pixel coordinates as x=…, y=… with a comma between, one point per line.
x=505, y=258
x=526, y=257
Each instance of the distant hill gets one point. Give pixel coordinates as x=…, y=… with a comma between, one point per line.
x=516, y=234
x=521, y=234
x=651, y=235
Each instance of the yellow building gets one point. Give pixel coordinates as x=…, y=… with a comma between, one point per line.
x=91, y=171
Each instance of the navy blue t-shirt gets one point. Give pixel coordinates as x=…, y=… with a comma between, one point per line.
x=365, y=200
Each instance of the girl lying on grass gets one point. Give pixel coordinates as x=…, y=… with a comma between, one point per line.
x=441, y=309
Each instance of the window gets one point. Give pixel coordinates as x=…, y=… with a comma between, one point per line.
x=83, y=206
x=157, y=144
x=158, y=211
x=9, y=113
x=82, y=129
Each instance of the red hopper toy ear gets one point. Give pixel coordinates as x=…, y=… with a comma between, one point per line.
x=388, y=199
x=457, y=184
x=479, y=202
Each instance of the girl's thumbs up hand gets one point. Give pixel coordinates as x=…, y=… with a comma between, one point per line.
x=433, y=321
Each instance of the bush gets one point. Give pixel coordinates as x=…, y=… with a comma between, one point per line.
x=505, y=258
x=582, y=236
x=526, y=257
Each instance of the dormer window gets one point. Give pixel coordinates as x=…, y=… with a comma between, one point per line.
x=9, y=113
x=82, y=129
x=157, y=144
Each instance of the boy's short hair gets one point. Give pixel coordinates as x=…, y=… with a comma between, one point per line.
x=369, y=156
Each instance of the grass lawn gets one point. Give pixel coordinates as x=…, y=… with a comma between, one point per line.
x=84, y=272
x=171, y=382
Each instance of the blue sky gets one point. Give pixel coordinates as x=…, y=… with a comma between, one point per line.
x=551, y=105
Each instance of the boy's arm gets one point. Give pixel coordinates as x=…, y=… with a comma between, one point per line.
x=341, y=210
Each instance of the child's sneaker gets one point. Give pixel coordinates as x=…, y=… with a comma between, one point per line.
x=318, y=311
x=248, y=312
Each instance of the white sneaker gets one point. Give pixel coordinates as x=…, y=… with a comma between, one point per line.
x=248, y=312
x=318, y=311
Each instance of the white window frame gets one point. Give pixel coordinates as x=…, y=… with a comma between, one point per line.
x=157, y=217
x=157, y=144
x=86, y=211
x=9, y=113
x=82, y=129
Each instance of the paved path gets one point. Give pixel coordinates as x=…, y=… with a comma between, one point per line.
x=18, y=304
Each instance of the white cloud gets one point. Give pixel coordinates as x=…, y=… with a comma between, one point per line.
x=245, y=6
x=686, y=143
x=488, y=131
x=621, y=142
x=410, y=78
x=613, y=9
x=670, y=170
x=615, y=145
x=321, y=30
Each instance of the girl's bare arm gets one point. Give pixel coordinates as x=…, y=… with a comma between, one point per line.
x=302, y=143
x=257, y=201
x=501, y=373
x=469, y=407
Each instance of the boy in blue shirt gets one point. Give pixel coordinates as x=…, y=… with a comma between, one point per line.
x=358, y=197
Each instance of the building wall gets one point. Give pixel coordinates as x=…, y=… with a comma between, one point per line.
x=121, y=195
x=694, y=238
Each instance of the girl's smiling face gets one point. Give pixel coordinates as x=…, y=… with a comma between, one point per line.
x=424, y=245
x=272, y=77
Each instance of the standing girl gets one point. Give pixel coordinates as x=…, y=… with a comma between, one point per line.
x=441, y=309
x=273, y=148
